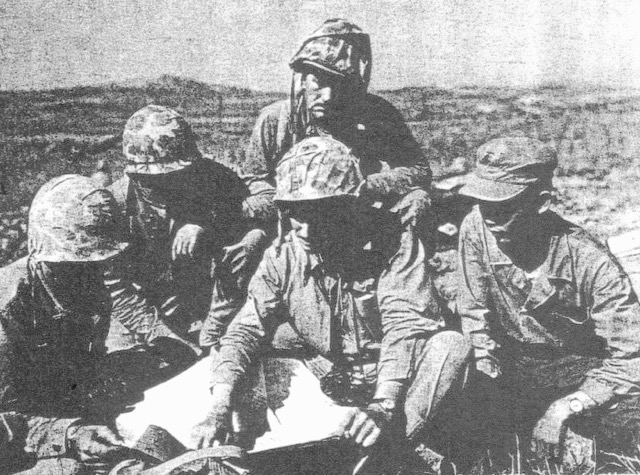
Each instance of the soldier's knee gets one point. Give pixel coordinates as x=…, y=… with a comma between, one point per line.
x=454, y=344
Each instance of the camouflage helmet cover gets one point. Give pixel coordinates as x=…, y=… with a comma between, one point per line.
x=73, y=220
x=158, y=140
x=338, y=47
x=317, y=168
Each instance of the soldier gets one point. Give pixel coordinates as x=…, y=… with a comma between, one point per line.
x=58, y=390
x=331, y=73
x=190, y=218
x=550, y=313
x=349, y=286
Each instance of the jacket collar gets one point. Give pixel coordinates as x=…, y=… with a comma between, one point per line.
x=556, y=269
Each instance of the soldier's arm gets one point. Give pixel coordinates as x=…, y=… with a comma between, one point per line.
x=409, y=311
x=472, y=299
x=614, y=309
x=408, y=166
x=256, y=321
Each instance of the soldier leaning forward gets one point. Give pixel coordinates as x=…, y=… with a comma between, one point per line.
x=193, y=228
x=59, y=391
x=347, y=286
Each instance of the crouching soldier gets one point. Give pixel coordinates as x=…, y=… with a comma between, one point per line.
x=330, y=78
x=191, y=232
x=550, y=313
x=59, y=393
x=349, y=286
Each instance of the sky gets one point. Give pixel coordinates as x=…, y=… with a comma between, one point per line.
x=445, y=43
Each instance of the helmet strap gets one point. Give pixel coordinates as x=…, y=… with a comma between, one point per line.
x=40, y=281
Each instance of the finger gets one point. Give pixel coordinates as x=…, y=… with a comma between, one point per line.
x=371, y=438
x=191, y=245
x=239, y=259
x=174, y=249
x=367, y=428
x=348, y=423
x=357, y=424
x=184, y=247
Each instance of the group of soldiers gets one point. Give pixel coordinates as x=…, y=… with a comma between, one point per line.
x=318, y=248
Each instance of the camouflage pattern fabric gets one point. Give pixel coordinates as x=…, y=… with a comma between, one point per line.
x=317, y=168
x=158, y=140
x=71, y=220
x=338, y=47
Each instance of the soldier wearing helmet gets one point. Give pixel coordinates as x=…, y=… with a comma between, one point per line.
x=347, y=287
x=189, y=220
x=331, y=73
x=58, y=389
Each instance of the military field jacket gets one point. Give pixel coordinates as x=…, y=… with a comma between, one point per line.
x=580, y=303
x=375, y=131
x=35, y=374
x=293, y=287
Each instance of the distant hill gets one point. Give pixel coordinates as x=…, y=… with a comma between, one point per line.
x=71, y=130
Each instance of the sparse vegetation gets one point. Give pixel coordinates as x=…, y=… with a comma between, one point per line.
x=47, y=133
x=596, y=133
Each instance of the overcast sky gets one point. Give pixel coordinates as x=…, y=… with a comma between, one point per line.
x=56, y=43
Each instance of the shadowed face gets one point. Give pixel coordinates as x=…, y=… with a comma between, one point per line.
x=326, y=95
x=325, y=225
x=513, y=221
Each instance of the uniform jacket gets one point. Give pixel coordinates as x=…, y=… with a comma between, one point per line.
x=384, y=288
x=43, y=363
x=374, y=130
x=581, y=303
x=216, y=199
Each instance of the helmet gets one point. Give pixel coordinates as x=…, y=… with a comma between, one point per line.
x=72, y=220
x=317, y=168
x=338, y=47
x=158, y=140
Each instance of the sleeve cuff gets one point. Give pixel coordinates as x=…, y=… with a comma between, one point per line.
x=389, y=390
x=598, y=391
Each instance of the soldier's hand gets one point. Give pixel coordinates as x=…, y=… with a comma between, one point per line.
x=96, y=445
x=550, y=430
x=186, y=241
x=239, y=257
x=414, y=208
x=364, y=426
x=216, y=427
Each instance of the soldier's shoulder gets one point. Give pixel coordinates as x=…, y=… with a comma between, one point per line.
x=12, y=278
x=379, y=104
x=119, y=189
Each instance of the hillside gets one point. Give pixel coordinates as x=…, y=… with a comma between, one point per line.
x=597, y=134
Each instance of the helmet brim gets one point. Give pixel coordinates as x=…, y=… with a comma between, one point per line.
x=491, y=190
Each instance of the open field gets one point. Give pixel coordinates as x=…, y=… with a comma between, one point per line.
x=596, y=132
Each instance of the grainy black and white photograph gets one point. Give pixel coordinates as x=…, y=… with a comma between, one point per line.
x=309, y=237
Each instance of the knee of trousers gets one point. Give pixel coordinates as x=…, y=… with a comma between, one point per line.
x=450, y=343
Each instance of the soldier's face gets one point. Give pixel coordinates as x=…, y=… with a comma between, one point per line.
x=511, y=221
x=326, y=95
x=325, y=225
